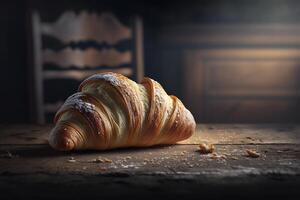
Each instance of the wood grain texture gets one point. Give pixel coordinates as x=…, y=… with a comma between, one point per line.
x=248, y=53
x=232, y=34
x=253, y=78
x=138, y=35
x=245, y=134
x=194, y=85
x=243, y=85
x=103, y=28
x=253, y=110
x=211, y=133
x=156, y=170
x=173, y=160
x=86, y=58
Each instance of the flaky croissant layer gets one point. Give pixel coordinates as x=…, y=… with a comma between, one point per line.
x=112, y=111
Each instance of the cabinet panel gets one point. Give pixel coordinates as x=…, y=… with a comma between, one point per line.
x=242, y=85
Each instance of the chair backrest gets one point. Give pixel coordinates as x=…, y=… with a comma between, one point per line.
x=78, y=45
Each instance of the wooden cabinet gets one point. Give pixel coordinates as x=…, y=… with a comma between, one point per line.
x=238, y=73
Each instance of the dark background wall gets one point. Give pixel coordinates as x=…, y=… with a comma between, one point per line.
x=158, y=16
x=13, y=60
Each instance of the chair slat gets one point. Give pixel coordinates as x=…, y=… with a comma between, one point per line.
x=103, y=28
x=87, y=58
x=82, y=74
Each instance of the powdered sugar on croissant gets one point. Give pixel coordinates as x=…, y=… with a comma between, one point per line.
x=112, y=111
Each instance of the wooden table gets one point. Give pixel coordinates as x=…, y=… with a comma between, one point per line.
x=30, y=168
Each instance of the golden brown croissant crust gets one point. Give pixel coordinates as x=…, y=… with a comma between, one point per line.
x=112, y=111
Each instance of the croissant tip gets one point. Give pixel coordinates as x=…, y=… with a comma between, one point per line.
x=60, y=139
x=65, y=145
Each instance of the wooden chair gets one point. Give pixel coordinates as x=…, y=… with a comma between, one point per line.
x=85, y=43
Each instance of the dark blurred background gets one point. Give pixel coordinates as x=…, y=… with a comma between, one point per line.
x=229, y=61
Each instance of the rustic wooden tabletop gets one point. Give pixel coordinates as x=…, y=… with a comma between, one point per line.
x=30, y=168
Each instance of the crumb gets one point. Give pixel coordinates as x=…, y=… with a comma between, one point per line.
x=101, y=160
x=217, y=156
x=252, y=153
x=234, y=158
x=98, y=160
x=71, y=160
x=128, y=157
x=191, y=165
x=84, y=167
x=107, y=160
x=206, y=148
x=214, y=156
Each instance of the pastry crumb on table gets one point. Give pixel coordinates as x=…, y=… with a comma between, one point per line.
x=206, y=148
x=252, y=153
x=248, y=165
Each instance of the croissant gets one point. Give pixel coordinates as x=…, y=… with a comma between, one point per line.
x=111, y=111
